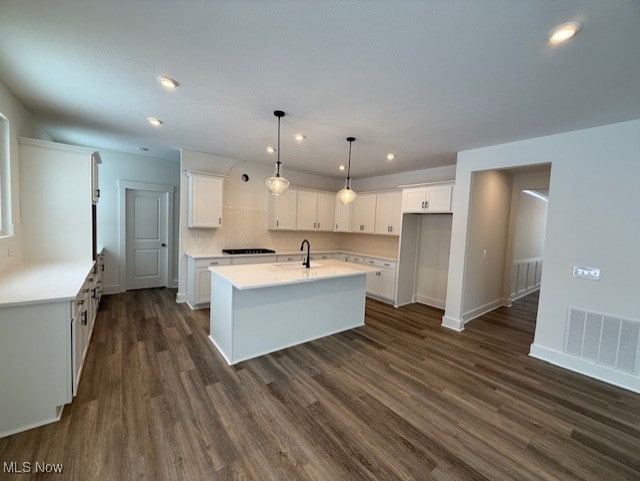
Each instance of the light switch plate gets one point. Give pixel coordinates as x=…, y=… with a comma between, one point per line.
x=592, y=273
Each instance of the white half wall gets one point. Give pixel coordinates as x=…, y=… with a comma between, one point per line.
x=592, y=221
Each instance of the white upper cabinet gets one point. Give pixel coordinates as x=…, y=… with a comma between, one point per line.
x=325, y=211
x=363, y=214
x=95, y=186
x=314, y=211
x=430, y=199
x=283, y=210
x=388, y=213
x=342, y=216
x=204, y=203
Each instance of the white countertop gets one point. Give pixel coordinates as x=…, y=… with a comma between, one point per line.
x=35, y=283
x=254, y=276
x=286, y=253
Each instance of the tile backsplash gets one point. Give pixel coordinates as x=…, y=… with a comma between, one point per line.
x=244, y=228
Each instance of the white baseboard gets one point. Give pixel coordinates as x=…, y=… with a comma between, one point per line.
x=381, y=299
x=590, y=369
x=515, y=296
x=181, y=297
x=112, y=289
x=451, y=323
x=479, y=311
x=173, y=284
x=430, y=301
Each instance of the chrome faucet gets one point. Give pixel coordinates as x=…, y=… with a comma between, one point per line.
x=307, y=261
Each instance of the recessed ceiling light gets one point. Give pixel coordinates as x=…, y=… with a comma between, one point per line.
x=300, y=137
x=168, y=83
x=271, y=150
x=154, y=121
x=341, y=167
x=563, y=32
x=391, y=156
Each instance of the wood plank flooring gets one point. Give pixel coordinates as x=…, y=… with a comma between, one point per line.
x=399, y=399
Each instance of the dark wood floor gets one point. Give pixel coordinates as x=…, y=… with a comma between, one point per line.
x=401, y=398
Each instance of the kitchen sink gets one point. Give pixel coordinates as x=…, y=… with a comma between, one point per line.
x=295, y=265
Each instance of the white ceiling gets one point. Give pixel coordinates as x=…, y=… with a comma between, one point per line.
x=423, y=79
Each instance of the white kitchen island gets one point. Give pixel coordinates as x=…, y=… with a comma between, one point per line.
x=260, y=308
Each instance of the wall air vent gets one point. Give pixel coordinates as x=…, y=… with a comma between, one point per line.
x=607, y=340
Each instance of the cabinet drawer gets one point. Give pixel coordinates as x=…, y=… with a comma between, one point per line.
x=213, y=261
x=355, y=259
x=372, y=261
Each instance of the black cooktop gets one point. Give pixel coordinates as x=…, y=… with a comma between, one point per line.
x=258, y=250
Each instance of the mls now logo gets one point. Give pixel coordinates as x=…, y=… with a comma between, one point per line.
x=37, y=467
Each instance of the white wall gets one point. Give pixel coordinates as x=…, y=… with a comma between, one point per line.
x=433, y=259
x=531, y=223
x=391, y=181
x=133, y=167
x=21, y=124
x=592, y=220
x=487, y=242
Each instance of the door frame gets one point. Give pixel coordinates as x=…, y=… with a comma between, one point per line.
x=123, y=186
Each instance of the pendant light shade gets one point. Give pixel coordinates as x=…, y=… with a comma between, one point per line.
x=277, y=184
x=347, y=195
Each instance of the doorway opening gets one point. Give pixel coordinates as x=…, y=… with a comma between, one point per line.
x=505, y=243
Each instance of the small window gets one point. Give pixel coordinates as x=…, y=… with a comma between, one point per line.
x=5, y=178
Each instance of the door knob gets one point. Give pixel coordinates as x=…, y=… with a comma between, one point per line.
x=164, y=245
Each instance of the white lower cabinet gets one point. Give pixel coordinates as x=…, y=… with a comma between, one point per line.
x=381, y=284
x=199, y=280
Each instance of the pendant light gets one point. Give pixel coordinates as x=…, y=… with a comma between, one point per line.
x=347, y=195
x=277, y=184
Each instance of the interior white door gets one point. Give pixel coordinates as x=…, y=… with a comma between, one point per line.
x=146, y=238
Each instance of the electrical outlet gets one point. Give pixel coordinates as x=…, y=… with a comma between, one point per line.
x=10, y=252
x=592, y=273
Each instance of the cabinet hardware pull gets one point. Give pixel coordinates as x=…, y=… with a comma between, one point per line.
x=93, y=293
x=426, y=204
x=80, y=302
x=336, y=226
x=98, y=193
x=318, y=225
x=277, y=223
x=102, y=267
x=219, y=220
x=84, y=318
x=214, y=263
x=85, y=290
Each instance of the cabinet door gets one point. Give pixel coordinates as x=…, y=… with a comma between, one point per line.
x=204, y=201
x=203, y=285
x=95, y=186
x=413, y=200
x=342, y=216
x=363, y=214
x=306, y=218
x=439, y=198
x=282, y=210
x=386, y=287
x=388, y=213
x=372, y=283
x=325, y=212
x=396, y=221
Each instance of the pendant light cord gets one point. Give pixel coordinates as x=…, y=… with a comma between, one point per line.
x=278, y=163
